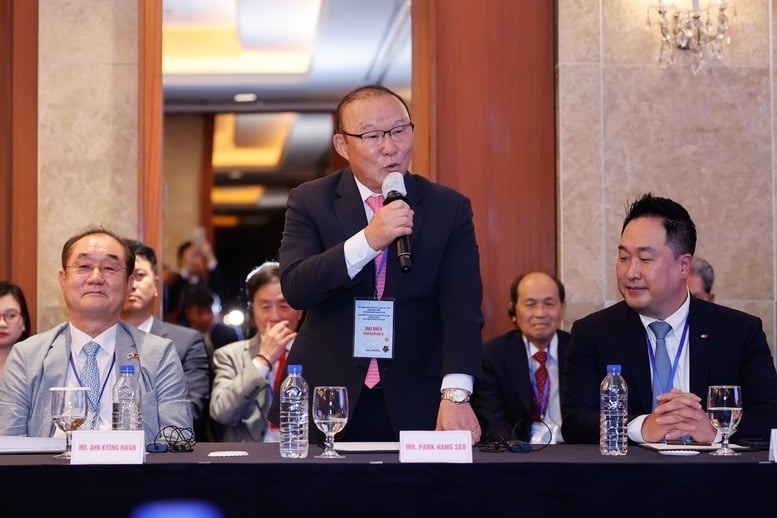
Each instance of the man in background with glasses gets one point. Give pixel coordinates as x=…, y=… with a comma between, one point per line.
x=89, y=349
x=339, y=264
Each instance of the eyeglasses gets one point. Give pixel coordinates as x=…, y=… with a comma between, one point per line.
x=11, y=316
x=398, y=134
x=106, y=270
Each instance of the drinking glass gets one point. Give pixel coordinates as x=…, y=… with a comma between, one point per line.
x=724, y=406
x=68, y=411
x=330, y=413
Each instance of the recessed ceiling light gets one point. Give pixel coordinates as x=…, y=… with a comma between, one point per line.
x=245, y=98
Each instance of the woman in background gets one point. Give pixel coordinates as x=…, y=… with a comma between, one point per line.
x=14, y=319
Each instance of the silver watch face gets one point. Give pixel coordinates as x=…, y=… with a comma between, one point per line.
x=459, y=396
x=456, y=395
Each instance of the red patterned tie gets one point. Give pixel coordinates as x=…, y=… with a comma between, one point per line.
x=373, y=375
x=541, y=382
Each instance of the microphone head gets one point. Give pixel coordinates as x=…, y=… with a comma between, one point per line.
x=394, y=182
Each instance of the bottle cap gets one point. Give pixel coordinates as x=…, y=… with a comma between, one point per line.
x=295, y=369
x=614, y=369
x=127, y=369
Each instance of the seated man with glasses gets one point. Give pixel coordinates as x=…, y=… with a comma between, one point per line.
x=89, y=349
x=410, y=364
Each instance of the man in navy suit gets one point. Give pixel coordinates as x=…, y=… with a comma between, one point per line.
x=707, y=344
x=138, y=310
x=517, y=396
x=331, y=244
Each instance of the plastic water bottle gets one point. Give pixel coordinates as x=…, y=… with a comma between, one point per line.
x=126, y=400
x=613, y=406
x=294, y=414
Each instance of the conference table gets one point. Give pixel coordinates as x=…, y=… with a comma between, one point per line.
x=559, y=480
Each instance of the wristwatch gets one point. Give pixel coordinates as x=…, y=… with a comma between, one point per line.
x=456, y=395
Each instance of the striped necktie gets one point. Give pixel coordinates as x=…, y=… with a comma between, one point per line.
x=373, y=374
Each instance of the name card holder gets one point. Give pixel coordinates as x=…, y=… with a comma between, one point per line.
x=108, y=447
x=429, y=446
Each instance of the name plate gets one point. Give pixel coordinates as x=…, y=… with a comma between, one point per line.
x=108, y=447
x=773, y=446
x=430, y=446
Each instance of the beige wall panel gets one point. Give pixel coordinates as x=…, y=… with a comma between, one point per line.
x=183, y=147
x=87, y=127
x=578, y=31
x=705, y=140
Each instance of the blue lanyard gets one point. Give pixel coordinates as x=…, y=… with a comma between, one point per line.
x=668, y=385
x=80, y=384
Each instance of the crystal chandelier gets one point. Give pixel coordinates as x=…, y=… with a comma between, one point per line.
x=702, y=32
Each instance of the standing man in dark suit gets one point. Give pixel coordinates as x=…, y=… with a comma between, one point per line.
x=138, y=310
x=429, y=316
x=517, y=396
x=706, y=344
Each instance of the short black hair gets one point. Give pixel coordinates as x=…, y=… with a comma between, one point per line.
x=182, y=248
x=200, y=298
x=680, y=229
x=9, y=288
x=143, y=250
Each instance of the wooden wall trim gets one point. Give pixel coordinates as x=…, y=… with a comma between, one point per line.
x=6, y=102
x=150, y=120
x=488, y=103
x=150, y=116
x=423, y=84
x=19, y=147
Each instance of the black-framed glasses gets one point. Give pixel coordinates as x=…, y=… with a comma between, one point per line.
x=398, y=134
x=11, y=316
x=108, y=270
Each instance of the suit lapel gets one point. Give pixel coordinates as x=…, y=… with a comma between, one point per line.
x=127, y=351
x=157, y=328
x=348, y=205
x=55, y=367
x=350, y=213
x=700, y=340
x=632, y=340
x=519, y=375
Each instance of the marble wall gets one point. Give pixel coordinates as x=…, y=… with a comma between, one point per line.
x=87, y=130
x=625, y=127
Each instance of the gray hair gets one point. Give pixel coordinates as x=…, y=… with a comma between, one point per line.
x=704, y=270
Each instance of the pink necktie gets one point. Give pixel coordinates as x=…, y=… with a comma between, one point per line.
x=373, y=375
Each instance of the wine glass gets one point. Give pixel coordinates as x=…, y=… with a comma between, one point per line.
x=68, y=411
x=330, y=413
x=724, y=406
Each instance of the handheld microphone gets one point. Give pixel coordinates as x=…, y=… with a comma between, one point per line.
x=394, y=189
